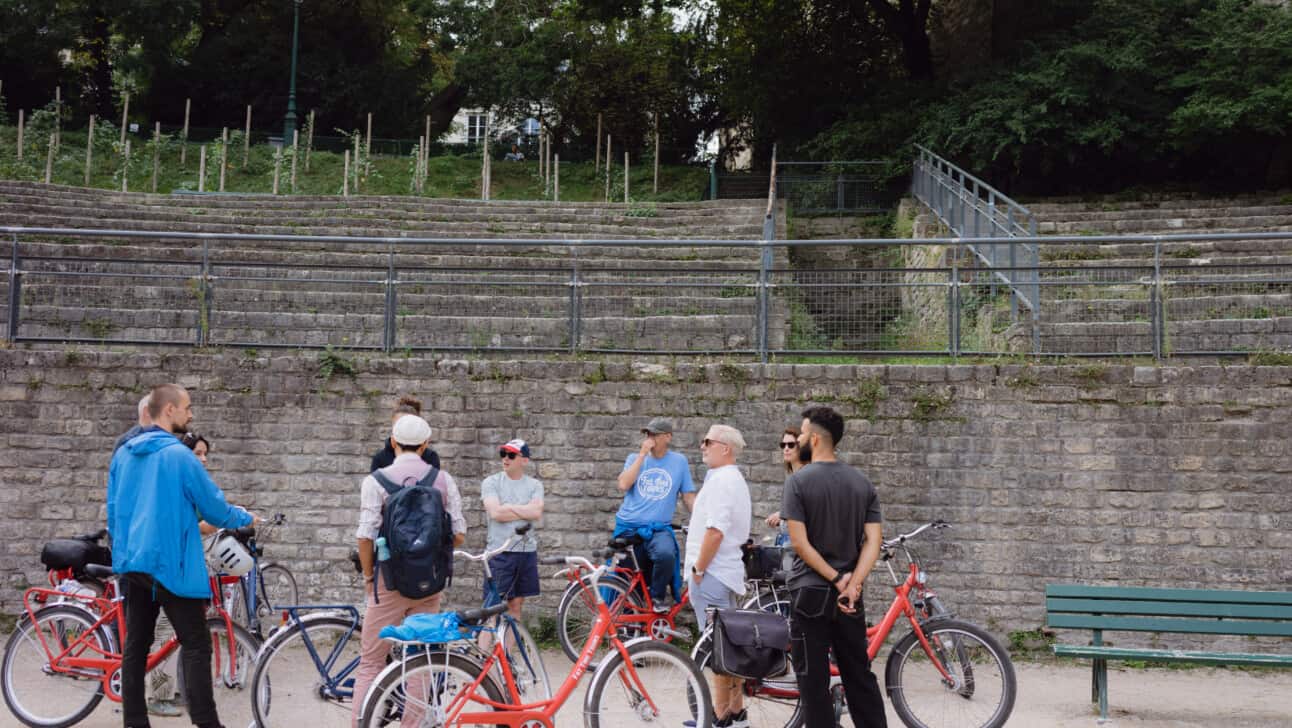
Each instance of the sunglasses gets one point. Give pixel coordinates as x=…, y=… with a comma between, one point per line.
x=507, y=454
x=790, y=445
x=710, y=442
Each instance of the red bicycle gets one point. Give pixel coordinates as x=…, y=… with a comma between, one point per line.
x=65, y=656
x=625, y=591
x=944, y=673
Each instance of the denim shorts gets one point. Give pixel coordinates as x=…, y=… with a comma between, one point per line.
x=709, y=593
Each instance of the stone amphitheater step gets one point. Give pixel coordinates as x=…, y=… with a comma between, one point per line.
x=1170, y=250
x=358, y=330
x=1167, y=226
x=1097, y=218
x=452, y=300
x=1183, y=336
x=1178, y=305
x=1166, y=201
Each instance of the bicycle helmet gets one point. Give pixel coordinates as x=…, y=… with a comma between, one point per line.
x=226, y=554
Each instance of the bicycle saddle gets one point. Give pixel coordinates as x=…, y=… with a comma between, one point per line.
x=99, y=571
x=623, y=543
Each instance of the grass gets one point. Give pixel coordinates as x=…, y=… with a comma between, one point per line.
x=449, y=176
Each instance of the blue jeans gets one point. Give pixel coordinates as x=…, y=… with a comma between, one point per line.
x=658, y=559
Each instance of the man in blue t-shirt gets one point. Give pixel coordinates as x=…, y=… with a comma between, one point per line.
x=651, y=481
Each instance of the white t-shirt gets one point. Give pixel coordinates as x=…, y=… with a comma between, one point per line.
x=723, y=503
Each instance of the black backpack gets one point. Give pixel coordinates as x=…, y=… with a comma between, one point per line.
x=419, y=534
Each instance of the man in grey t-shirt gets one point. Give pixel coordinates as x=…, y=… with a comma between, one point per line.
x=512, y=498
x=833, y=514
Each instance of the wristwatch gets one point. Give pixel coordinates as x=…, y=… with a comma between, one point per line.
x=697, y=572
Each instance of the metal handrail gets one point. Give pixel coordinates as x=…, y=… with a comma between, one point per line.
x=967, y=205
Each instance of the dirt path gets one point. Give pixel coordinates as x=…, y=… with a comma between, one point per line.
x=1050, y=696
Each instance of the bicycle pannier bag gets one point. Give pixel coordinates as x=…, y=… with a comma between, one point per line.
x=74, y=554
x=750, y=644
x=419, y=534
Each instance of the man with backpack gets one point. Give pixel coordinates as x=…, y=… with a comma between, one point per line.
x=410, y=519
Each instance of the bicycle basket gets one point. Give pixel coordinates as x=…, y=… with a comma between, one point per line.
x=226, y=554
x=429, y=629
x=762, y=561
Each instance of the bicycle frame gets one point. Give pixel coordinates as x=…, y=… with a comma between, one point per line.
x=71, y=660
x=643, y=618
x=516, y=714
x=333, y=686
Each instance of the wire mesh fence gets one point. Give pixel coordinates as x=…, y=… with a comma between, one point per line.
x=645, y=297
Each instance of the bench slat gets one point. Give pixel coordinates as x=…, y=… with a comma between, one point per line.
x=1082, y=591
x=1171, y=609
x=1060, y=620
x=1211, y=658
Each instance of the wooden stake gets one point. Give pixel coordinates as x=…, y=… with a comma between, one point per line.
x=125, y=169
x=356, y=164
x=596, y=164
x=556, y=178
x=49, y=159
x=201, y=170
x=246, y=139
x=224, y=155
x=278, y=165
x=309, y=141
x=367, y=149
x=541, y=158
x=20, y=112
x=625, y=178
x=484, y=162
x=156, y=153
x=419, y=176
x=125, y=117
x=296, y=146
x=655, y=187
x=607, y=168
x=345, y=177
x=89, y=150
x=183, y=149
x=58, y=117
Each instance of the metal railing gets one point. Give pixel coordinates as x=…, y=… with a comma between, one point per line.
x=817, y=188
x=971, y=208
x=575, y=296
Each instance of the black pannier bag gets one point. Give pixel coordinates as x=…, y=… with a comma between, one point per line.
x=74, y=554
x=750, y=644
x=762, y=561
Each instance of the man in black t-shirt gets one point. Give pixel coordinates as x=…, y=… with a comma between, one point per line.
x=833, y=514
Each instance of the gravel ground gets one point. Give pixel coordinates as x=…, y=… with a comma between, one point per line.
x=1050, y=696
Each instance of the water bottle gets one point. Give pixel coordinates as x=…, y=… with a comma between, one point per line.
x=383, y=551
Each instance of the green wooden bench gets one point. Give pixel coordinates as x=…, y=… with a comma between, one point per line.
x=1137, y=609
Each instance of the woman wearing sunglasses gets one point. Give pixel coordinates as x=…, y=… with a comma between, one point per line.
x=793, y=460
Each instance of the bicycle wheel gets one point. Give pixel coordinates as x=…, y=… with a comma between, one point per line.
x=308, y=668
x=277, y=589
x=233, y=659
x=417, y=690
x=577, y=612
x=661, y=686
x=524, y=659
x=47, y=699
x=771, y=702
x=981, y=689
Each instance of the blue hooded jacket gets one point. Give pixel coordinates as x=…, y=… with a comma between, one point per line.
x=156, y=490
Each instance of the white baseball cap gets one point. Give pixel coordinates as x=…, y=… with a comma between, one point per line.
x=411, y=431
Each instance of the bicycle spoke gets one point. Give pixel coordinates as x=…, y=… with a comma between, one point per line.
x=34, y=690
x=978, y=689
x=308, y=671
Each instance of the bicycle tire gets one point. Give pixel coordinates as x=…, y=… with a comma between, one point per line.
x=387, y=698
x=766, y=709
x=24, y=635
x=574, y=609
x=229, y=681
x=278, y=585
x=526, y=660
x=299, y=678
x=977, y=661
x=659, y=664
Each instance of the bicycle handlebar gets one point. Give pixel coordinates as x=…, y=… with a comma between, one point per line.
x=487, y=554
x=903, y=538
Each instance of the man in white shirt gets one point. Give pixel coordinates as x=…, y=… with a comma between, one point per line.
x=719, y=525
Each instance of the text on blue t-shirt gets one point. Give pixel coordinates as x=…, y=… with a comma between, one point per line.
x=653, y=498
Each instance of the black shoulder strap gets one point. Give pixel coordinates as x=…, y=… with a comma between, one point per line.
x=385, y=482
x=429, y=480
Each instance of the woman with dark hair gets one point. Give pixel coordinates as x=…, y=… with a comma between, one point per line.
x=793, y=461
x=386, y=455
x=198, y=444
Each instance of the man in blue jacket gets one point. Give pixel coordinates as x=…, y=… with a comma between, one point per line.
x=157, y=489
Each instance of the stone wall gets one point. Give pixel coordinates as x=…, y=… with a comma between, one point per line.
x=1124, y=474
